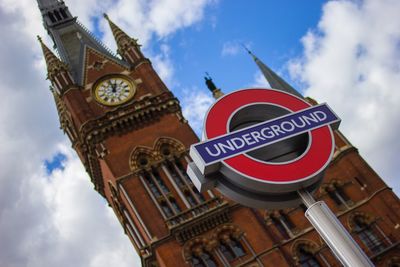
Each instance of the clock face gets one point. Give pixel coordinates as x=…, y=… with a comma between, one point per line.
x=114, y=91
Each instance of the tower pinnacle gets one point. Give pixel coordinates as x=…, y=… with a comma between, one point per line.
x=54, y=64
x=128, y=47
x=273, y=79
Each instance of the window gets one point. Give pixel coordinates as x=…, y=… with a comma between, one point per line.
x=279, y=226
x=182, y=170
x=203, y=260
x=338, y=196
x=227, y=252
x=367, y=235
x=283, y=224
x=237, y=248
x=307, y=259
x=63, y=13
x=196, y=262
x=160, y=182
x=57, y=15
x=152, y=185
x=231, y=248
x=166, y=209
x=190, y=199
x=175, y=205
x=52, y=18
x=198, y=194
x=175, y=176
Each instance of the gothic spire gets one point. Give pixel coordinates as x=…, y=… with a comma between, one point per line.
x=54, y=64
x=128, y=47
x=217, y=93
x=273, y=79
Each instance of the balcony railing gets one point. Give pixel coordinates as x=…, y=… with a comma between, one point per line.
x=195, y=212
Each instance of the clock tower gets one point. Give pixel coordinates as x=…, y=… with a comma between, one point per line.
x=128, y=130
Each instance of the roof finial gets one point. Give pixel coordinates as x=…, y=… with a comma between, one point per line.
x=248, y=51
x=217, y=93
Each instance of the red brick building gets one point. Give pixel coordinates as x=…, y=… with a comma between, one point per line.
x=131, y=136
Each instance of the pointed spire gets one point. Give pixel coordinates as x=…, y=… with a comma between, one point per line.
x=217, y=93
x=124, y=41
x=54, y=64
x=273, y=79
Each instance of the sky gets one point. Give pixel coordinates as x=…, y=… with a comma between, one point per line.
x=345, y=53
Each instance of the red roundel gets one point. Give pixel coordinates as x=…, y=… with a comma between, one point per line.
x=308, y=165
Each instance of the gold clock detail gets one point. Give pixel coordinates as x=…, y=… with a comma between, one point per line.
x=114, y=91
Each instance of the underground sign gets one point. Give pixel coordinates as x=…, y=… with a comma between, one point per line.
x=261, y=146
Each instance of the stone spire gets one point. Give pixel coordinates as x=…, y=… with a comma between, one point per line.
x=273, y=79
x=128, y=47
x=54, y=64
x=217, y=93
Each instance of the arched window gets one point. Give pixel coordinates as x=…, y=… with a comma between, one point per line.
x=203, y=260
x=237, y=248
x=306, y=258
x=198, y=252
x=231, y=248
x=226, y=251
x=367, y=234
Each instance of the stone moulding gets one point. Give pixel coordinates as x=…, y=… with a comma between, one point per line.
x=126, y=118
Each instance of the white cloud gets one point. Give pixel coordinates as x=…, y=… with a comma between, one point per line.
x=230, y=48
x=195, y=105
x=163, y=65
x=352, y=62
x=143, y=19
x=259, y=81
x=58, y=219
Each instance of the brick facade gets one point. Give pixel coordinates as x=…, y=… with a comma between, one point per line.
x=136, y=155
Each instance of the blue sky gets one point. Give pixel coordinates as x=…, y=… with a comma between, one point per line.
x=272, y=29
x=314, y=45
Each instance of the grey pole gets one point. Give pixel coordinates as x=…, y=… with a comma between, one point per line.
x=334, y=234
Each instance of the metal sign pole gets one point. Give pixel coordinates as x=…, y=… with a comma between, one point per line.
x=334, y=234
